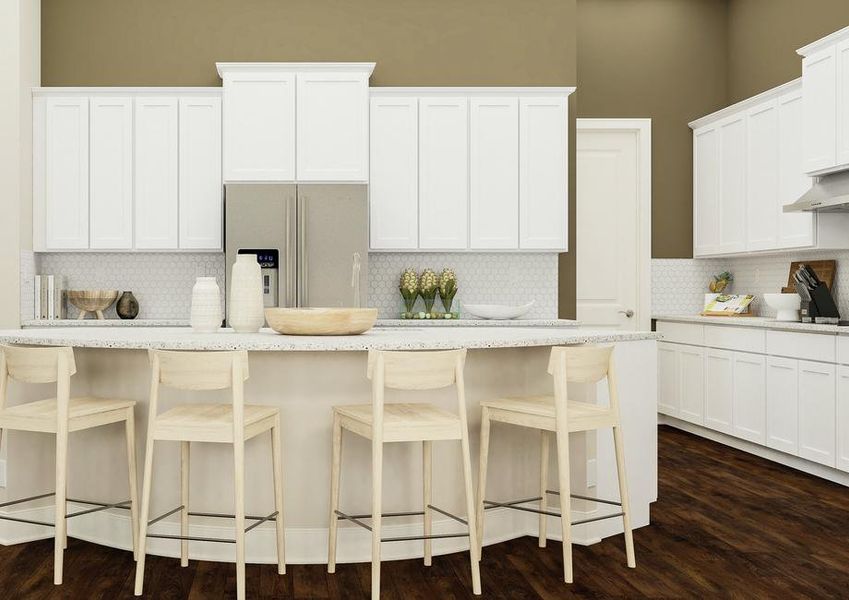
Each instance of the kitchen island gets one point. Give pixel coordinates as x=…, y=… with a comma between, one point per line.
x=305, y=377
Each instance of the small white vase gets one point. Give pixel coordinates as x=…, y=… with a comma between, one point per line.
x=245, y=311
x=206, y=305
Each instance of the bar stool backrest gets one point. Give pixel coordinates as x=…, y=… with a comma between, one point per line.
x=416, y=370
x=40, y=364
x=582, y=364
x=199, y=370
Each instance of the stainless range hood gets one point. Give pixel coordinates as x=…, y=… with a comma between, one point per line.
x=830, y=193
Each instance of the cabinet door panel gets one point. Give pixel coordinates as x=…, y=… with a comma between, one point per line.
x=66, y=173
x=259, y=127
x=668, y=399
x=494, y=173
x=795, y=230
x=842, y=107
x=843, y=418
x=762, y=181
x=782, y=394
x=156, y=173
x=750, y=397
x=443, y=173
x=691, y=383
x=111, y=173
x=719, y=389
x=201, y=208
x=705, y=191
x=819, y=106
x=332, y=116
x=817, y=412
x=732, y=184
x=394, y=173
x=543, y=173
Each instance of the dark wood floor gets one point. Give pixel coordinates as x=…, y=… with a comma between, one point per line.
x=727, y=524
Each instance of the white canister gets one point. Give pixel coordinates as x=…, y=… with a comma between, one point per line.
x=245, y=310
x=206, y=305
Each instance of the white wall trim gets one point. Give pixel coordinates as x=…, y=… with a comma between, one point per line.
x=642, y=128
x=472, y=91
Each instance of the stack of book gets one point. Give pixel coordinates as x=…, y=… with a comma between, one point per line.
x=50, y=297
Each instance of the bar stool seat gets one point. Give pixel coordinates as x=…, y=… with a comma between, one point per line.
x=403, y=422
x=211, y=422
x=582, y=416
x=83, y=413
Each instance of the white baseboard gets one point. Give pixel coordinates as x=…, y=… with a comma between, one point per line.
x=795, y=462
x=303, y=545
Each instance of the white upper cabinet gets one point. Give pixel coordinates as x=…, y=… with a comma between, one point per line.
x=494, y=172
x=762, y=181
x=732, y=184
x=156, y=173
x=60, y=169
x=332, y=126
x=543, y=173
x=841, y=54
x=705, y=191
x=443, y=172
x=201, y=192
x=111, y=173
x=394, y=170
x=795, y=230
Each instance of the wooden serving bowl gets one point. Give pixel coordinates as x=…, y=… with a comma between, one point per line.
x=321, y=321
x=92, y=301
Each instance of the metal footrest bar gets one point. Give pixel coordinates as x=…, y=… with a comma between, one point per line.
x=29, y=521
x=582, y=521
x=31, y=498
x=353, y=519
x=190, y=538
x=168, y=514
x=510, y=504
x=223, y=516
x=448, y=514
x=261, y=521
x=416, y=513
x=590, y=498
x=514, y=505
x=436, y=536
x=356, y=519
x=91, y=502
x=98, y=507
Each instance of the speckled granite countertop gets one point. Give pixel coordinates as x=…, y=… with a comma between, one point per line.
x=380, y=323
x=380, y=338
x=105, y=323
x=763, y=322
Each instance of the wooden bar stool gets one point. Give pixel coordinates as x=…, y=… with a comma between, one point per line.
x=218, y=423
x=579, y=364
x=60, y=416
x=384, y=423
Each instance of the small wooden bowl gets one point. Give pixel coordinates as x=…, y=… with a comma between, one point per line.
x=92, y=301
x=321, y=321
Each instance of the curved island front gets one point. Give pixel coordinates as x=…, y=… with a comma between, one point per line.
x=305, y=377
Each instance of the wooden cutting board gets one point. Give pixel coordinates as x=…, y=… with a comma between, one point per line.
x=825, y=270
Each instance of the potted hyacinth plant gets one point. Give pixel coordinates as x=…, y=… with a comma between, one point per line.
x=428, y=285
x=409, y=288
x=447, y=291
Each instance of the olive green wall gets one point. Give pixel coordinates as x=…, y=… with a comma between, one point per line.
x=663, y=59
x=763, y=36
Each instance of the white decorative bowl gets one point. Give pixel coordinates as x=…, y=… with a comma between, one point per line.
x=786, y=306
x=497, y=311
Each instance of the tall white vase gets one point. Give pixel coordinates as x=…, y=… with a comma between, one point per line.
x=206, y=305
x=245, y=311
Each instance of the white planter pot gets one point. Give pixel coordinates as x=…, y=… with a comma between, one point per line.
x=245, y=311
x=206, y=305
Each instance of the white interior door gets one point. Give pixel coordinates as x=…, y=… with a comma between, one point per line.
x=613, y=236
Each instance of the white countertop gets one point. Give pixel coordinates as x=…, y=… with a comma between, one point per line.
x=764, y=322
x=380, y=338
x=105, y=323
x=380, y=323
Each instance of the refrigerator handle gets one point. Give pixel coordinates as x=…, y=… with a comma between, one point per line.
x=303, y=263
x=291, y=282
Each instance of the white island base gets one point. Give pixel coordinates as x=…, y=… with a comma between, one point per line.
x=305, y=377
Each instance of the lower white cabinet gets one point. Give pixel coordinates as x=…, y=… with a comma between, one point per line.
x=843, y=418
x=719, y=389
x=668, y=400
x=691, y=383
x=817, y=406
x=749, y=408
x=782, y=404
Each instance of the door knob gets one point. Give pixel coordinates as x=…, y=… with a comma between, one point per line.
x=628, y=313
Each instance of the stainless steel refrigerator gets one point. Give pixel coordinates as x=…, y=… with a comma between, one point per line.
x=311, y=241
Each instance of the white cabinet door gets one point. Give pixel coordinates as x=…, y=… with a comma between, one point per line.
x=332, y=130
x=842, y=107
x=795, y=230
x=762, y=181
x=259, y=127
x=156, y=169
x=732, y=184
x=443, y=173
x=819, y=110
x=843, y=418
x=691, y=383
x=719, y=389
x=111, y=173
x=66, y=173
x=394, y=173
x=543, y=173
x=705, y=191
x=750, y=397
x=201, y=191
x=782, y=404
x=817, y=412
x=668, y=399
x=494, y=173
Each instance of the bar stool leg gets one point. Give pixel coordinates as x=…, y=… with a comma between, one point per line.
x=565, y=502
x=239, y=489
x=427, y=487
x=132, y=476
x=543, y=486
x=484, y=459
x=335, y=476
x=470, y=511
x=145, y=512
x=61, y=495
x=277, y=465
x=623, y=496
x=376, y=508
x=185, y=456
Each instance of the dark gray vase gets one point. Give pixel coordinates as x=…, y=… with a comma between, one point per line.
x=127, y=306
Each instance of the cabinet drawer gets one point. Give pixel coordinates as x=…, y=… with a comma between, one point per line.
x=681, y=333
x=843, y=349
x=740, y=339
x=807, y=346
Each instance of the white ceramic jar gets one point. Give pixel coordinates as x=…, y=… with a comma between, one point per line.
x=245, y=311
x=206, y=305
